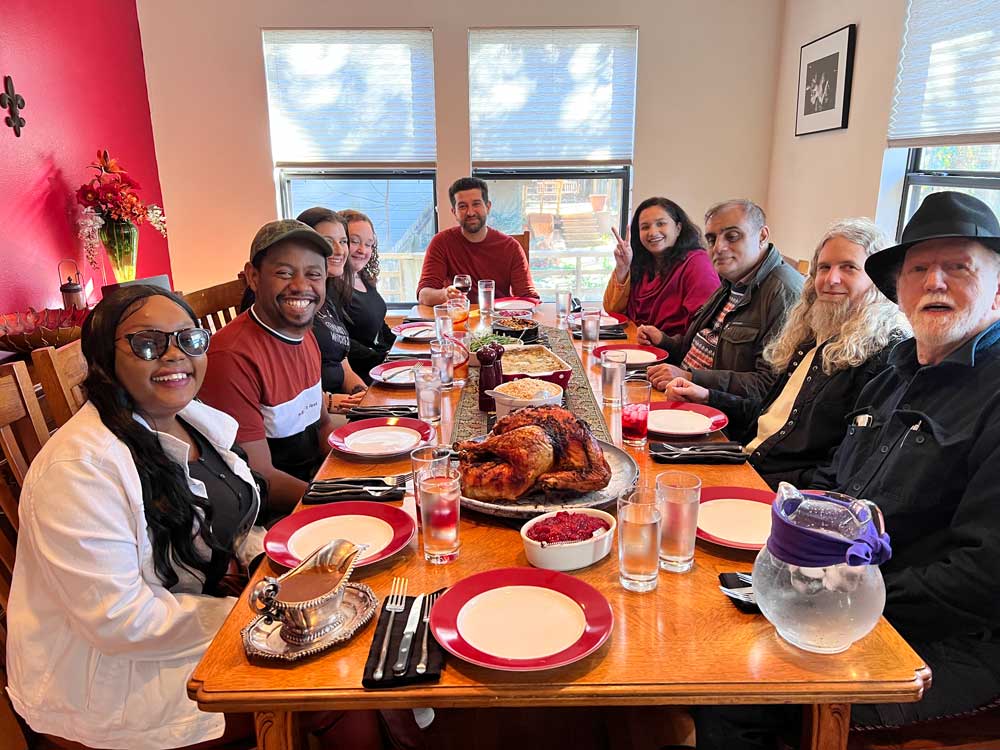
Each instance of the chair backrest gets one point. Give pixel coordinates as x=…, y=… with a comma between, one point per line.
x=217, y=305
x=61, y=372
x=524, y=240
x=22, y=426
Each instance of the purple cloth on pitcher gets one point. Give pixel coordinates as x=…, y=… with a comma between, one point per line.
x=808, y=548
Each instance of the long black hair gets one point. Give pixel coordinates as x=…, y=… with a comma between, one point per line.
x=175, y=515
x=689, y=238
x=339, y=289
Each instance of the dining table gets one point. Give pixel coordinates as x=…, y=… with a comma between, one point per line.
x=683, y=644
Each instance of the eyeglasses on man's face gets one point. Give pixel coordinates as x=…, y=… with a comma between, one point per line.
x=152, y=344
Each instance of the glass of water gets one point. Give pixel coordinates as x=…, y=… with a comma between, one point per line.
x=679, y=494
x=443, y=324
x=442, y=355
x=639, y=540
x=590, y=327
x=428, y=385
x=439, y=495
x=564, y=303
x=612, y=376
x=487, y=290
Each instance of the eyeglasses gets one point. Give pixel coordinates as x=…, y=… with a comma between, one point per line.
x=150, y=345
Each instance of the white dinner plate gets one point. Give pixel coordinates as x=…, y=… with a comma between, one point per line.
x=381, y=441
x=678, y=422
x=738, y=517
x=374, y=532
x=521, y=622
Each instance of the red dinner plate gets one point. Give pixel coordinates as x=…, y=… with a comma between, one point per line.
x=383, y=373
x=380, y=437
x=636, y=355
x=505, y=304
x=735, y=517
x=486, y=617
x=608, y=319
x=420, y=330
x=717, y=420
x=385, y=527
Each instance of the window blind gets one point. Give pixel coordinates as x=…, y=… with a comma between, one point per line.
x=351, y=96
x=948, y=81
x=538, y=95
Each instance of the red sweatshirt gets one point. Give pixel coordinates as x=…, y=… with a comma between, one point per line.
x=498, y=257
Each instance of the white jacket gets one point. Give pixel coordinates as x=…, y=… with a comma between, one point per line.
x=98, y=651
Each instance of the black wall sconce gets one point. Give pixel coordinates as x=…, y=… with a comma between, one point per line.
x=14, y=102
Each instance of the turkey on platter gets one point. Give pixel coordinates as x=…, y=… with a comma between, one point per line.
x=537, y=449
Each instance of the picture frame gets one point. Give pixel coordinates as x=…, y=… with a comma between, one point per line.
x=826, y=67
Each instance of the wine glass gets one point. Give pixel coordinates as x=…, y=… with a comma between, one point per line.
x=462, y=282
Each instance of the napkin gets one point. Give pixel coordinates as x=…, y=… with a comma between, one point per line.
x=315, y=496
x=721, y=456
x=731, y=581
x=435, y=654
x=373, y=411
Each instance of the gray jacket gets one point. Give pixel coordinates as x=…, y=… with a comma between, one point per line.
x=739, y=367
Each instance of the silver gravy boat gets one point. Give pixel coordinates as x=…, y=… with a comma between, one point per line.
x=303, y=622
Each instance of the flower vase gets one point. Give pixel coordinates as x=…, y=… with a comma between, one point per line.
x=121, y=240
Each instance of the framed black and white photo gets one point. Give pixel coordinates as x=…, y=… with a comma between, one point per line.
x=824, y=94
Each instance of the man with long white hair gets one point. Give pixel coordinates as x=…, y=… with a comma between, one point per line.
x=837, y=337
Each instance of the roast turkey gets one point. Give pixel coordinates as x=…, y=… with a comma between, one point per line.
x=537, y=449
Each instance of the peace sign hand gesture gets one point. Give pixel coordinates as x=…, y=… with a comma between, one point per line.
x=623, y=253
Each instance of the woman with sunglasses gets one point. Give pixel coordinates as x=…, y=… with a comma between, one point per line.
x=370, y=336
x=136, y=522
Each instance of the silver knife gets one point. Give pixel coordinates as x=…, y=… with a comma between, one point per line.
x=403, y=659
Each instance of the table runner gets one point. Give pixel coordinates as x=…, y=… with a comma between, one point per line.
x=470, y=422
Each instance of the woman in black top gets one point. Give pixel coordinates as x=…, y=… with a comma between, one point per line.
x=343, y=389
x=370, y=336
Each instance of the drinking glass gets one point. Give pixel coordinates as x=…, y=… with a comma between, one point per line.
x=461, y=340
x=639, y=540
x=635, y=411
x=590, y=327
x=438, y=495
x=612, y=376
x=428, y=386
x=442, y=355
x=487, y=288
x=458, y=309
x=564, y=303
x=443, y=326
x=462, y=282
x=679, y=494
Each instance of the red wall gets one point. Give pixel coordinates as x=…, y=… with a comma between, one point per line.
x=78, y=65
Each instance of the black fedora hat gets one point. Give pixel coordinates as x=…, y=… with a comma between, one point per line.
x=941, y=216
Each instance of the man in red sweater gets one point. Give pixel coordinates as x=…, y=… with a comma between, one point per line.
x=473, y=248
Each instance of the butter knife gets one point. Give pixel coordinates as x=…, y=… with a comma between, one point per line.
x=403, y=659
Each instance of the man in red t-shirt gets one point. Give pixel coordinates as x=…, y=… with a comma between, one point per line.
x=473, y=248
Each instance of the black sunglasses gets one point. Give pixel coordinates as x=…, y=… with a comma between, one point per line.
x=152, y=344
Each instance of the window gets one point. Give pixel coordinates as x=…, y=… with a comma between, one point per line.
x=968, y=169
x=552, y=115
x=352, y=126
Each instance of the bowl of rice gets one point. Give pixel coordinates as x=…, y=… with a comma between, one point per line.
x=516, y=394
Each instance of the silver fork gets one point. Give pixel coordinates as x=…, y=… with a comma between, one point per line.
x=746, y=578
x=742, y=595
x=394, y=604
x=428, y=603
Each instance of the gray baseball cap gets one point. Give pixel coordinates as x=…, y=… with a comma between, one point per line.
x=288, y=229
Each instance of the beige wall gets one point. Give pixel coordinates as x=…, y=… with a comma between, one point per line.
x=704, y=122
x=817, y=178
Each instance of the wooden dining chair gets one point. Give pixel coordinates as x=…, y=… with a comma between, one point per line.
x=524, y=240
x=217, y=305
x=61, y=373
x=22, y=435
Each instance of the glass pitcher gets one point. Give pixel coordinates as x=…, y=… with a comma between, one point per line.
x=817, y=579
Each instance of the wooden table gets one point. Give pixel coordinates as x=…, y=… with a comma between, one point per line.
x=683, y=644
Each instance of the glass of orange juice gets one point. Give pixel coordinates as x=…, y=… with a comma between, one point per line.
x=460, y=358
x=458, y=309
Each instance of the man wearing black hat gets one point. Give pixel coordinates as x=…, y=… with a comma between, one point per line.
x=264, y=368
x=924, y=444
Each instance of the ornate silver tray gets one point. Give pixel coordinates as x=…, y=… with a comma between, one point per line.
x=261, y=638
x=624, y=474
